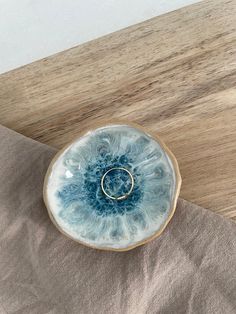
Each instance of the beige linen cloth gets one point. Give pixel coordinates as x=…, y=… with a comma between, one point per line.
x=190, y=268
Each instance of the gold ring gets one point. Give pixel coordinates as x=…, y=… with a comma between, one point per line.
x=122, y=197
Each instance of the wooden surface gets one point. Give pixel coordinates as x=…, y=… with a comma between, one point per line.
x=174, y=74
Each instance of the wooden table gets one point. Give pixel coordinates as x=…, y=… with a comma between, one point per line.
x=174, y=74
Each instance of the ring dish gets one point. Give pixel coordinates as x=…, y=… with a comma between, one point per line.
x=113, y=188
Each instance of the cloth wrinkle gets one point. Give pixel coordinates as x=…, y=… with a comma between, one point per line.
x=189, y=268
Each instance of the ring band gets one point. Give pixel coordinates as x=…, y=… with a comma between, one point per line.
x=122, y=197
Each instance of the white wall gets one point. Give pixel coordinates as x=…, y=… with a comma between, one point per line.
x=33, y=29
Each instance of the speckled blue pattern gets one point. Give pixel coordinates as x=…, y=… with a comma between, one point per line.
x=81, y=208
x=87, y=187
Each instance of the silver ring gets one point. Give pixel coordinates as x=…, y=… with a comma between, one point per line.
x=122, y=197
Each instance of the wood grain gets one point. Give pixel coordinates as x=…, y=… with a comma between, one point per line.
x=174, y=74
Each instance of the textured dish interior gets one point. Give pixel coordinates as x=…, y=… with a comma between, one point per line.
x=84, y=212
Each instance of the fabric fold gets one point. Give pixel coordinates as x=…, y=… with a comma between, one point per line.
x=190, y=268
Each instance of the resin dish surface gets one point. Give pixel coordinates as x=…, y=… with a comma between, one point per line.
x=113, y=188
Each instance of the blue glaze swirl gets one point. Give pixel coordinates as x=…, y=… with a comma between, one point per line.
x=86, y=186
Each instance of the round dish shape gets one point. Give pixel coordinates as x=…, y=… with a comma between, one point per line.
x=113, y=188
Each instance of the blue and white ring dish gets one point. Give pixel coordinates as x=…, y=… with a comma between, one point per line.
x=113, y=188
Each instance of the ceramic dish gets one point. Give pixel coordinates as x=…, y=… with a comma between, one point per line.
x=113, y=188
